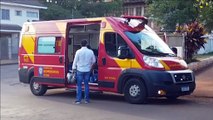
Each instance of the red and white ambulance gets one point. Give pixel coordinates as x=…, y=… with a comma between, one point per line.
x=131, y=58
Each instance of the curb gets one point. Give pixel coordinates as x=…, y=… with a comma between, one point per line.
x=2, y=64
x=8, y=62
x=197, y=66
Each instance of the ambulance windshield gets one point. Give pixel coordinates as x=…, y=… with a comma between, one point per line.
x=149, y=43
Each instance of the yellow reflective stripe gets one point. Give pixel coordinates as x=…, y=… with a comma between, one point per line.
x=165, y=65
x=28, y=43
x=127, y=63
x=135, y=64
x=102, y=37
x=123, y=63
x=61, y=26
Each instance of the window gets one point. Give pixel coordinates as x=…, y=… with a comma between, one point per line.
x=149, y=43
x=32, y=14
x=112, y=42
x=49, y=45
x=5, y=14
x=18, y=13
x=138, y=11
x=125, y=11
x=131, y=11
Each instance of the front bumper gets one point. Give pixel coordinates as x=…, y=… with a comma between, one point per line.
x=172, y=83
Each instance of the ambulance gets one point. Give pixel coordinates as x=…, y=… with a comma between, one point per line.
x=132, y=59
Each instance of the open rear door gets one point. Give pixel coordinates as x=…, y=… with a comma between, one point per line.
x=77, y=31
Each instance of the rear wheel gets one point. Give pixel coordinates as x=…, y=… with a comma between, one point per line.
x=135, y=91
x=37, y=89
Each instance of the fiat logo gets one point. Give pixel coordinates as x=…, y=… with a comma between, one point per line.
x=183, y=77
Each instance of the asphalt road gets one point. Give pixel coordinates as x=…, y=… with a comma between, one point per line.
x=17, y=103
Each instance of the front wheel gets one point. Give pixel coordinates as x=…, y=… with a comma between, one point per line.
x=37, y=89
x=135, y=91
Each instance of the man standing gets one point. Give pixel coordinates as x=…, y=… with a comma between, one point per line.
x=82, y=64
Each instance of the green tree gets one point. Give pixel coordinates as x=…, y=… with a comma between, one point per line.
x=55, y=12
x=205, y=8
x=186, y=16
x=83, y=8
x=170, y=12
x=193, y=38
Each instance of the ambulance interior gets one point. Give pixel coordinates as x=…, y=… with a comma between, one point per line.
x=91, y=33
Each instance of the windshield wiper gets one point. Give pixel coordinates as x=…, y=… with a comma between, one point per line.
x=157, y=53
x=164, y=54
x=148, y=52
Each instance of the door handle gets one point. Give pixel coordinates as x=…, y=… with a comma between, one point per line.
x=60, y=59
x=104, y=61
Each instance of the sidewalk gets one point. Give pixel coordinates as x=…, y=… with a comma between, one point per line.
x=198, y=66
x=8, y=62
x=204, y=86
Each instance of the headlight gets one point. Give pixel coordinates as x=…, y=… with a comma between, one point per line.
x=151, y=61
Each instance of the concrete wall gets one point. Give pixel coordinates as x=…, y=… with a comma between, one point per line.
x=176, y=41
x=208, y=46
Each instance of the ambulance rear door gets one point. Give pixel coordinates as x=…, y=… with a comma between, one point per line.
x=49, y=65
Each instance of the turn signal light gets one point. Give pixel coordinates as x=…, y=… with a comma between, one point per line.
x=161, y=92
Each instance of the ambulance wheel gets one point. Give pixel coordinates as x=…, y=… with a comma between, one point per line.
x=37, y=89
x=135, y=91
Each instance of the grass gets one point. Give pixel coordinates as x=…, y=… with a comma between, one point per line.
x=203, y=56
x=197, y=58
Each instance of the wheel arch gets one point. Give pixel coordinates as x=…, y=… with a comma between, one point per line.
x=128, y=74
x=30, y=74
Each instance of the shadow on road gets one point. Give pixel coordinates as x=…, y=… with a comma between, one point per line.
x=97, y=96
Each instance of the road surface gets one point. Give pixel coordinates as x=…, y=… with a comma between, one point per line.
x=17, y=103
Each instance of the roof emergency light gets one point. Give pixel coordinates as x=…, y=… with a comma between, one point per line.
x=129, y=17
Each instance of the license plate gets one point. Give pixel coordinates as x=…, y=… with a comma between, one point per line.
x=185, y=88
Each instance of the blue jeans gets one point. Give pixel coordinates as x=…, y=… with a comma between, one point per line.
x=82, y=76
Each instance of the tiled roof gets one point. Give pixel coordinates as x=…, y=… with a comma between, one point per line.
x=25, y=2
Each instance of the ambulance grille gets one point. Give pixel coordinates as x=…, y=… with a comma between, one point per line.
x=183, y=77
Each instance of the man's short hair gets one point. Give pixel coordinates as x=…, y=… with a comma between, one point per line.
x=84, y=42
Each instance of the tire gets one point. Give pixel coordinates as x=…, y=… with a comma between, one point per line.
x=37, y=89
x=135, y=91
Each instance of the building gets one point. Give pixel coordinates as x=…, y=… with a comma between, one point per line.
x=13, y=14
x=108, y=0
x=134, y=7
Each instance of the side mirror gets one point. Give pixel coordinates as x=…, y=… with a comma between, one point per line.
x=123, y=52
x=174, y=49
